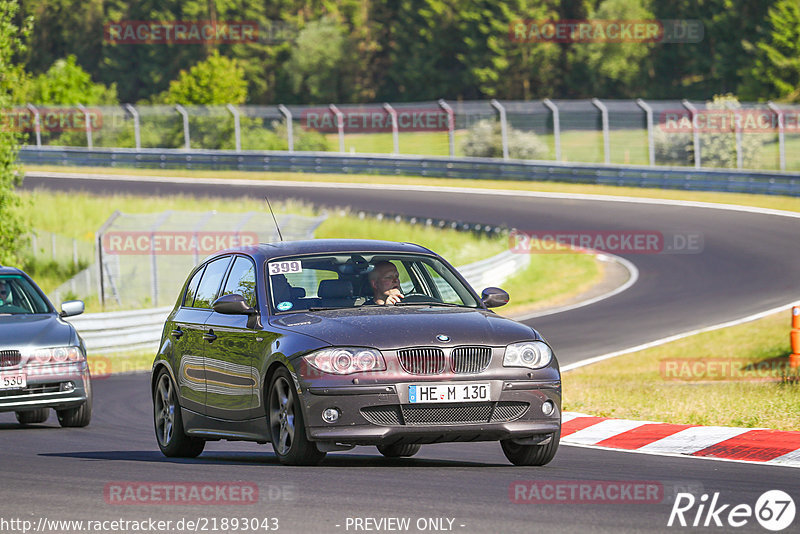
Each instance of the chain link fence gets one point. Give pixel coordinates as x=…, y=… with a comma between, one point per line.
x=637, y=132
x=145, y=258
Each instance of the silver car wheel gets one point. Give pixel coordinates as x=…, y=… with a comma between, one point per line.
x=281, y=415
x=165, y=410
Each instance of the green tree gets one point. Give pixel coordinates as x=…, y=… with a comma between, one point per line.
x=66, y=83
x=13, y=228
x=775, y=69
x=217, y=80
x=315, y=64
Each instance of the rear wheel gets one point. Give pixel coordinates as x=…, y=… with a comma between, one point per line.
x=286, y=425
x=531, y=454
x=172, y=440
x=31, y=417
x=399, y=450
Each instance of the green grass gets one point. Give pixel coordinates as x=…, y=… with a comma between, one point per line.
x=661, y=384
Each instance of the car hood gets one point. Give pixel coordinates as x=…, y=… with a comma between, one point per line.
x=396, y=327
x=39, y=330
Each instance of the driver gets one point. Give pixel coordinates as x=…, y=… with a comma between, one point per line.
x=385, y=282
x=4, y=293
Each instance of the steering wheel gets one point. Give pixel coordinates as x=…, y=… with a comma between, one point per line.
x=418, y=297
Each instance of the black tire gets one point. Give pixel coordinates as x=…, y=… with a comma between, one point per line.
x=168, y=423
x=531, y=454
x=286, y=424
x=76, y=417
x=32, y=417
x=397, y=450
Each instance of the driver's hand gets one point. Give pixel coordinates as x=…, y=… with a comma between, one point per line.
x=393, y=296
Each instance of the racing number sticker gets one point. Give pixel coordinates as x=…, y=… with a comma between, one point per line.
x=283, y=267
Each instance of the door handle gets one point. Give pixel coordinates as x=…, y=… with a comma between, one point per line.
x=177, y=333
x=210, y=336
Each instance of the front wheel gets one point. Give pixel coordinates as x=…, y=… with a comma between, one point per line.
x=399, y=451
x=531, y=454
x=172, y=440
x=76, y=417
x=286, y=426
x=31, y=417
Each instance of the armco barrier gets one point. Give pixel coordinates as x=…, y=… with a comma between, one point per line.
x=705, y=179
x=141, y=329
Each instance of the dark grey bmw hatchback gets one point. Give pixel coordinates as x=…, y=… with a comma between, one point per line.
x=322, y=345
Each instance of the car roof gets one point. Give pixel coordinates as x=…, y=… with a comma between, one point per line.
x=323, y=246
x=10, y=270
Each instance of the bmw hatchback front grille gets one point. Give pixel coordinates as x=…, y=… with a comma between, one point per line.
x=470, y=359
x=422, y=361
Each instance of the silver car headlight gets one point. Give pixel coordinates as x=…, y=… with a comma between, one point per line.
x=55, y=355
x=530, y=354
x=346, y=360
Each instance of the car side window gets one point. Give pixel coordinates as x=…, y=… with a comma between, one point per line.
x=191, y=289
x=209, y=284
x=242, y=280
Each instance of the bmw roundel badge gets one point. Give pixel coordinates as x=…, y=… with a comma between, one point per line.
x=443, y=338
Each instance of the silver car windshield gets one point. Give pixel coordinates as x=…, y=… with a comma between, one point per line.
x=18, y=296
x=349, y=280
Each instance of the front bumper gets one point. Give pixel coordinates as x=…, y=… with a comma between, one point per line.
x=381, y=414
x=56, y=386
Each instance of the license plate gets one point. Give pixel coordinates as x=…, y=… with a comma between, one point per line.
x=12, y=380
x=448, y=393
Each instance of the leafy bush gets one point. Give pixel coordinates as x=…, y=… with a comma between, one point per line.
x=485, y=140
x=717, y=149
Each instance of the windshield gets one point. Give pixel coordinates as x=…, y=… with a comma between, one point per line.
x=19, y=296
x=350, y=280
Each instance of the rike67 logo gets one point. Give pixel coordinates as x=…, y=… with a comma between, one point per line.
x=774, y=510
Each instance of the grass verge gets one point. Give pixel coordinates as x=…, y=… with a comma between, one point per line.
x=736, y=376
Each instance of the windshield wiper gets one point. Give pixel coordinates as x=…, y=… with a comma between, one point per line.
x=323, y=308
x=401, y=303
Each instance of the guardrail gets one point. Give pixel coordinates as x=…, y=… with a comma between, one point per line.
x=141, y=329
x=688, y=178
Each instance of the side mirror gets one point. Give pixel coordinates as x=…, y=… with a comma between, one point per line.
x=72, y=307
x=493, y=297
x=233, y=305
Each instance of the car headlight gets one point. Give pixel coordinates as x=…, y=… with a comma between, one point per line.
x=531, y=354
x=55, y=355
x=346, y=360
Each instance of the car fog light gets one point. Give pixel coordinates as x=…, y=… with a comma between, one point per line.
x=548, y=407
x=67, y=386
x=330, y=415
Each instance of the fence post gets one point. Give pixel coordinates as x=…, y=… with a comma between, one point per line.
x=37, y=124
x=738, y=129
x=88, y=125
x=287, y=116
x=393, y=114
x=339, y=125
x=556, y=126
x=98, y=238
x=604, y=121
x=236, y=126
x=451, y=126
x=781, y=130
x=695, y=133
x=503, y=126
x=136, y=132
x=180, y=109
x=651, y=147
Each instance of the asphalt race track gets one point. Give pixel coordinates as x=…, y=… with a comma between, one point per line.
x=749, y=263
